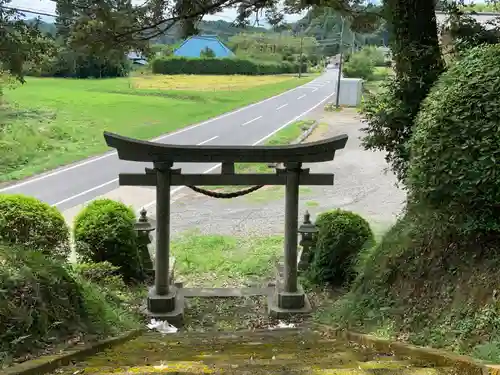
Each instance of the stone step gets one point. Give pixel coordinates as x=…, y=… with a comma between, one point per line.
x=226, y=292
x=290, y=351
x=188, y=368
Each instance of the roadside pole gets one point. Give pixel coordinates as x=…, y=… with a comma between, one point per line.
x=301, y=48
x=340, y=64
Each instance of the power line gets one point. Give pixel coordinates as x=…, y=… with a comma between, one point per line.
x=31, y=11
x=46, y=14
x=41, y=13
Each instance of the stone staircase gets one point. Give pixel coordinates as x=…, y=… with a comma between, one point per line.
x=279, y=352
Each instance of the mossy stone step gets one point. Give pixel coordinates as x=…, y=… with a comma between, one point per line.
x=266, y=352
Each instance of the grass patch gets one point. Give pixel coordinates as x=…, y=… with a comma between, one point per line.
x=266, y=194
x=272, y=193
x=312, y=204
x=50, y=122
x=223, y=261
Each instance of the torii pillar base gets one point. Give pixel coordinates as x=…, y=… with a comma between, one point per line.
x=285, y=305
x=169, y=307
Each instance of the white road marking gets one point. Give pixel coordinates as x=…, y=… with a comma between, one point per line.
x=84, y=192
x=109, y=182
x=281, y=106
x=315, y=90
x=256, y=143
x=249, y=122
x=302, y=96
x=208, y=140
x=111, y=153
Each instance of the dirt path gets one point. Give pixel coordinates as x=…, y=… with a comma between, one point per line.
x=361, y=185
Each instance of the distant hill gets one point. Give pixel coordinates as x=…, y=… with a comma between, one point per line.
x=222, y=29
x=45, y=27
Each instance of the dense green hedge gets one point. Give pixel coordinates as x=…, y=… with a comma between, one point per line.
x=455, y=157
x=182, y=65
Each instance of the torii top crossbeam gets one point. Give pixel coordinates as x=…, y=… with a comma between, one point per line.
x=144, y=151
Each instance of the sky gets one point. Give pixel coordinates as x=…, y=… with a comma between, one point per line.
x=48, y=6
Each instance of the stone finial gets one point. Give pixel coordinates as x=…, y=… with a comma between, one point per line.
x=143, y=218
x=307, y=217
x=143, y=223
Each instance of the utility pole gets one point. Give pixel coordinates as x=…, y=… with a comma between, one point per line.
x=340, y=63
x=301, y=47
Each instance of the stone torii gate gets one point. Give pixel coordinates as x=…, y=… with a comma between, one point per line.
x=164, y=299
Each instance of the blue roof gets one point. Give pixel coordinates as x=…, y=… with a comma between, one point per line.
x=194, y=45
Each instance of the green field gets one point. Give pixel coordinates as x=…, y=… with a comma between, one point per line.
x=50, y=122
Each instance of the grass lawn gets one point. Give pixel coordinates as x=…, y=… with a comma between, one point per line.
x=225, y=261
x=50, y=122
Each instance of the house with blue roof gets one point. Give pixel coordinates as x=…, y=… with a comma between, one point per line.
x=196, y=44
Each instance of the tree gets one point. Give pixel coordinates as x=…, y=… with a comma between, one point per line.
x=81, y=31
x=463, y=32
x=187, y=27
x=418, y=63
x=207, y=53
x=20, y=42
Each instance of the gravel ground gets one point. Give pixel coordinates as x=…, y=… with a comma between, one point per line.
x=361, y=185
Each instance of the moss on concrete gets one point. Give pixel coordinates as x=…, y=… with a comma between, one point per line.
x=245, y=353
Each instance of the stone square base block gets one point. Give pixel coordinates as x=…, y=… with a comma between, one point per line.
x=283, y=305
x=168, y=307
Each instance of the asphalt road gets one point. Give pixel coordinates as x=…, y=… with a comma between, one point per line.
x=78, y=183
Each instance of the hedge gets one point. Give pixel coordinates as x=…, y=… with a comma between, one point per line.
x=226, y=66
x=455, y=155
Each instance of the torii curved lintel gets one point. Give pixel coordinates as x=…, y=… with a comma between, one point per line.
x=144, y=151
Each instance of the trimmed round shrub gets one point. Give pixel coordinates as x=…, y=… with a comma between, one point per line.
x=31, y=223
x=342, y=236
x=104, y=232
x=455, y=149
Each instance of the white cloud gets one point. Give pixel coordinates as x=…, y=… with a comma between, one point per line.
x=48, y=6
